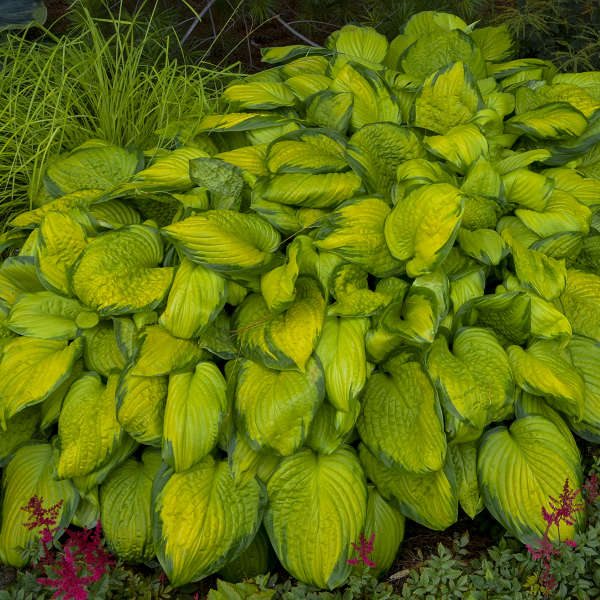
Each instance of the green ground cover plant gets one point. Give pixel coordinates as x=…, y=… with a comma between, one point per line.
x=366, y=290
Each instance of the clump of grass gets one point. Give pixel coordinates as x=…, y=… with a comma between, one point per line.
x=109, y=78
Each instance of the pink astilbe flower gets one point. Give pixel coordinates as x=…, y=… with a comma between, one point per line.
x=364, y=548
x=565, y=507
x=592, y=489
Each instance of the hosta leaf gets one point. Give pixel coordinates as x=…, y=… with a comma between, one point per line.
x=432, y=21
x=60, y=243
x=544, y=369
x=553, y=120
x=330, y=110
x=485, y=245
x=196, y=405
x=429, y=499
x=387, y=524
x=30, y=370
x=520, y=468
x=246, y=463
x=49, y=316
x=98, y=168
x=159, y=353
x=101, y=353
x=422, y=226
x=330, y=427
x=341, y=351
x=224, y=181
x=584, y=354
x=17, y=276
x=285, y=340
x=118, y=271
x=225, y=241
x=195, y=299
x=278, y=286
x=460, y=146
x=259, y=95
x=496, y=43
x=362, y=43
x=464, y=462
x=448, y=98
x=141, y=405
x=310, y=63
x=248, y=158
x=401, y=421
x=202, y=519
x=332, y=489
x=51, y=406
x=308, y=151
x=376, y=150
x=305, y=85
x=355, y=231
x=324, y=190
x=30, y=473
x=88, y=429
x=255, y=560
x=275, y=408
x=125, y=503
x=528, y=189
x=19, y=429
x=88, y=510
x=580, y=303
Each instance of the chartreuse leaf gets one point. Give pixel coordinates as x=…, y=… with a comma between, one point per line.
x=448, y=98
x=528, y=189
x=308, y=151
x=262, y=95
x=125, y=508
x=101, y=353
x=401, y=421
x=225, y=241
x=341, y=351
x=97, y=168
x=536, y=271
x=278, y=286
x=308, y=190
x=553, y=120
x=496, y=43
x=251, y=159
x=519, y=468
x=584, y=354
x=202, y=519
x=330, y=427
x=311, y=64
x=331, y=110
x=282, y=54
x=140, y=406
x=585, y=189
x=196, y=297
x=359, y=44
x=61, y=241
x=285, y=340
x=416, y=172
x=507, y=315
x=17, y=276
x=121, y=452
x=386, y=522
x=580, y=305
x=373, y=102
x=51, y=406
x=113, y=214
x=332, y=489
x=88, y=510
x=464, y=463
x=544, y=369
x=485, y=245
x=88, y=429
x=422, y=226
x=196, y=406
x=30, y=370
x=460, y=146
x=246, y=463
x=355, y=231
x=170, y=173
x=30, y=473
x=376, y=150
x=432, y=21
x=304, y=86
x=118, y=271
x=49, y=316
x=528, y=405
x=275, y=408
x=159, y=353
x=19, y=429
x=435, y=50
x=223, y=180
x=430, y=499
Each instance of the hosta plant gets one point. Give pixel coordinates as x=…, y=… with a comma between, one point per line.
x=368, y=290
